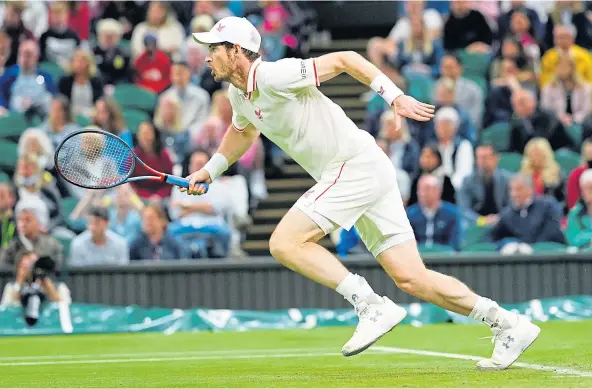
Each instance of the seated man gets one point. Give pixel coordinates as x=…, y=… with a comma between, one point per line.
x=485, y=191
x=531, y=122
x=434, y=221
x=528, y=219
x=98, y=245
x=155, y=243
x=207, y=214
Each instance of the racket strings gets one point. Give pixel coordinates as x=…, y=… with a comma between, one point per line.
x=95, y=160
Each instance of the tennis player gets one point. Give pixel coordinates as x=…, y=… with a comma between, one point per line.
x=356, y=184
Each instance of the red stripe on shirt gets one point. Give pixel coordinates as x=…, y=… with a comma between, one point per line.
x=334, y=182
x=314, y=66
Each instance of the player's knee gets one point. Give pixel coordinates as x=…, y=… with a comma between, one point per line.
x=413, y=283
x=280, y=247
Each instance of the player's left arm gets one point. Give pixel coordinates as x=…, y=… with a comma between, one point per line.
x=331, y=65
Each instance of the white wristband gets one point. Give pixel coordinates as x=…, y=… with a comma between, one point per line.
x=386, y=88
x=216, y=166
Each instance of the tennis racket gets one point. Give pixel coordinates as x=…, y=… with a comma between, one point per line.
x=95, y=159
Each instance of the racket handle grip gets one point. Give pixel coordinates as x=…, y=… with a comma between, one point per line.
x=179, y=181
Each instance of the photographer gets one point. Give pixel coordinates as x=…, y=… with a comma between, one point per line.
x=35, y=255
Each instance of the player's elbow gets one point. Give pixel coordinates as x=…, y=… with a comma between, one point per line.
x=344, y=60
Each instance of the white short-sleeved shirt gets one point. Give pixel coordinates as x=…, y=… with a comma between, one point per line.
x=282, y=101
x=432, y=20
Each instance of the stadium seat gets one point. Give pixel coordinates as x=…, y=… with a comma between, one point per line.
x=65, y=242
x=12, y=126
x=497, y=134
x=4, y=177
x=53, y=69
x=131, y=96
x=474, y=64
x=511, y=162
x=134, y=117
x=83, y=121
x=567, y=160
x=481, y=247
x=8, y=155
x=482, y=82
x=548, y=247
x=68, y=205
x=575, y=133
x=475, y=234
x=420, y=87
x=436, y=249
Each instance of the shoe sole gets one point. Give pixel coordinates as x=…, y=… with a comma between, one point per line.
x=366, y=346
x=515, y=359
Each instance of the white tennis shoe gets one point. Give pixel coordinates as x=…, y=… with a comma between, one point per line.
x=376, y=319
x=510, y=344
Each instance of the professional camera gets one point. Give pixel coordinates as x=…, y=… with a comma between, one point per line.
x=32, y=295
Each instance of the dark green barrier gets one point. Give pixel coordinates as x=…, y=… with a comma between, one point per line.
x=102, y=319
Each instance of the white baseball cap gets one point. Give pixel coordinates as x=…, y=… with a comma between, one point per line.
x=238, y=31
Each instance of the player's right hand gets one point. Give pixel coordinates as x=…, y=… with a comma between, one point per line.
x=196, y=181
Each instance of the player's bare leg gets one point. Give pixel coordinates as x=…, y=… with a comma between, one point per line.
x=512, y=333
x=293, y=243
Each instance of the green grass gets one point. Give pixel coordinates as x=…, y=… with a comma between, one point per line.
x=276, y=359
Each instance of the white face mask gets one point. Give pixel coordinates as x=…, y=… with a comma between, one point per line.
x=27, y=181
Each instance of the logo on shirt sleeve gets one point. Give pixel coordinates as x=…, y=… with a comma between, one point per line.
x=303, y=69
x=381, y=91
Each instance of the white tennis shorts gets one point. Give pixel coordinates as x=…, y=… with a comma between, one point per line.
x=363, y=192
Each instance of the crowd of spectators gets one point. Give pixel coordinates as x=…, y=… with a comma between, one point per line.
x=512, y=86
x=63, y=65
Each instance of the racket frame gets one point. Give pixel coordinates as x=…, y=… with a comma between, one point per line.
x=159, y=176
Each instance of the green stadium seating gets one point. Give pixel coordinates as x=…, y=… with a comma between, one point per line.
x=480, y=81
x=420, y=87
x=134, y=117
x=474, y=64
x=475, y=234
x=575, y=133
x=8, y=155
x=12, y=126
x=83, y=121
x=437, y=249
x=131, y=96
x=481, y=247
x=65, y=242
x=53, y=69
x=497, y=134
x=567, y=160
x=548, y=247
x=4, y=177
x=511, y=162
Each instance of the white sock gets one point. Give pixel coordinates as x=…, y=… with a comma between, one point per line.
x=490, y=313
x=354, y=288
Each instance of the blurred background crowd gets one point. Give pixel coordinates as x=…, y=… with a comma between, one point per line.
x=502, y=167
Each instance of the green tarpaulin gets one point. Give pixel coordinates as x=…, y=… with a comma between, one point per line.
x=85, y=318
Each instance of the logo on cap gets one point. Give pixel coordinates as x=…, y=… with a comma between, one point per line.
x=220, y=27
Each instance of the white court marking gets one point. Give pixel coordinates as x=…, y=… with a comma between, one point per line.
x=252, y=354
x=532, y=366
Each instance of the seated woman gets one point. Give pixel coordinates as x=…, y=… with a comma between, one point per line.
x=539, y=163
x=82, y=87
x=32, y=181
x=150, y=150
x=579, y=222
x=168, y=118
x=567, y=95
x=420, y=54
x=59, y=122
x=520, y=31
x=35, y=141
x=511, y=49
x=430, y=161
x=109, y=118
x=401, y=148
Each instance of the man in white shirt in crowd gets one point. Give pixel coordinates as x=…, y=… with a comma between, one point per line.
x=356, y=184
x=195, y=101
x=457, y=153
x=98, y=245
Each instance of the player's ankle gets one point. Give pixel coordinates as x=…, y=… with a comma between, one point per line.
x=354, y=288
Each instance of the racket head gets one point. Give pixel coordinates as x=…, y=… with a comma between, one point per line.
x=94, y=159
